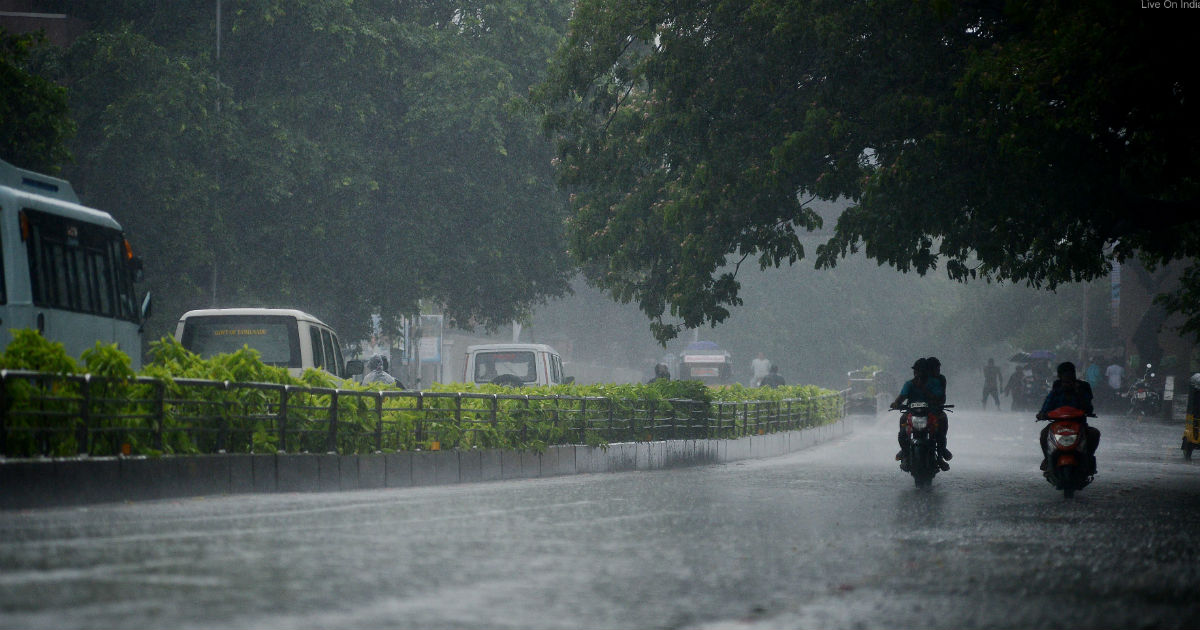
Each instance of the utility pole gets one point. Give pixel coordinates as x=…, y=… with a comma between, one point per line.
x=217, y=171
x=1083, y=343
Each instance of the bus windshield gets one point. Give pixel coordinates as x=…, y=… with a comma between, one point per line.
x=275, y=337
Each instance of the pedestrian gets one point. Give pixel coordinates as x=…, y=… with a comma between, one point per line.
x=661, y=373
x=772, y=379
x=1093, y=374
x=991, y=383
x=1014, y=390
x=1116, y=377
x=377, y=373
x=759, y=368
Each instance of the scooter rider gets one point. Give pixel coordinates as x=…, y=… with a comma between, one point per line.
x=923, y=387
x=1069, y=391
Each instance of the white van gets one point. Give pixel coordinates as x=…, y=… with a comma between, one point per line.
x=514, y=364
x=283, y=337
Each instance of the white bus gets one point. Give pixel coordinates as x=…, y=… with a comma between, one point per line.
x=66, y=270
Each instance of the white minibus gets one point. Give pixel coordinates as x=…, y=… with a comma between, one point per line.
x=67, y=270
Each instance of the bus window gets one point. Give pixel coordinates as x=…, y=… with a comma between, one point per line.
x=314, y=336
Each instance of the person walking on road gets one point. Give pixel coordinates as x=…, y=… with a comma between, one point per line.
x=1115, y=374
x=759, y=368
x=991, y=383
x=661, y=373
x=377, y=373
x=772, y=379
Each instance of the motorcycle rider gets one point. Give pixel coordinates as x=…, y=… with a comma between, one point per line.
x=1069, y=391
x=935, y=372
x=928, y=388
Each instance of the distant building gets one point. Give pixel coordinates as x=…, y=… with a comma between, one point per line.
x=28, y=16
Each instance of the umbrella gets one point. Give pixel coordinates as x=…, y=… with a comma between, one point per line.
x=1020, y=357
x=1042, y=354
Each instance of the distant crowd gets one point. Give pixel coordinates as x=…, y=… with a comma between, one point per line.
x=1030, y=380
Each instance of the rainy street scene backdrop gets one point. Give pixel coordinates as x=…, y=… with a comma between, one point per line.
x=598, y=314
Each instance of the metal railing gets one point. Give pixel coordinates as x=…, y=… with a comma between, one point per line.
x=71, y=414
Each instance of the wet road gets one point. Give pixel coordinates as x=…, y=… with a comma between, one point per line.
x=834, y=536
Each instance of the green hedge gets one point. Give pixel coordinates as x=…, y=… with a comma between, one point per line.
x=199, y=414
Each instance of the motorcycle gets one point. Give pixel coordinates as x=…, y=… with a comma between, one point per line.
x=1144, y=401
x=1070, y=467
x=921, y=425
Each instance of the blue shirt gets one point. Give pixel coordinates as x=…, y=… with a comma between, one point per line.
x=933, y=391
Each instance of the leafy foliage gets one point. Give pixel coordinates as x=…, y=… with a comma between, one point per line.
x=35, y=125
x=1013, y=141
x=235, y=403
x=380, y=148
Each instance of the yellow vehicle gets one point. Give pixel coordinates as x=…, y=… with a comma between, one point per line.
x=1191, y=426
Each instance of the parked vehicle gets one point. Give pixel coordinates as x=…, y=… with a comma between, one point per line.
x=1191, y=425
x=514, y=365
x=920, y=449
x=283, y=337
x=1144, y=398
x=66, y=270
x=705, y=361
x=1069, y=465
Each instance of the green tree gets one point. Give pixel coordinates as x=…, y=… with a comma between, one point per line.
x=1030, y=142
x=343, y=157
x=146, y=149
x=34, y=121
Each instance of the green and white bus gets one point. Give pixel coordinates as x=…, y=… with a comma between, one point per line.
x=66, y=270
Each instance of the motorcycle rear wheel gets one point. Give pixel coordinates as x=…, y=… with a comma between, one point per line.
x=1067, y=478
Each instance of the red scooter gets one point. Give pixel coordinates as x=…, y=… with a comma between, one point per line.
x=1070, y=466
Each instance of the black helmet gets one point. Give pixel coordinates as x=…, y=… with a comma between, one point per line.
x=375, y=363
x=934, y=365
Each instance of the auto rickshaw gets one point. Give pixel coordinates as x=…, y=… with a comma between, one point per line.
x=1191, y=425
x=861, y=395
x=865, y=387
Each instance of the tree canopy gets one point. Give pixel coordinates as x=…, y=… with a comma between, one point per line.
x=345, y=158
x=1032, y=142
x=34, y=121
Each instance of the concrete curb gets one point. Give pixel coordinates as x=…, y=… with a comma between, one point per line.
x=49, y=482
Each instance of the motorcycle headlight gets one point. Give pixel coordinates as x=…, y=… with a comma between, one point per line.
x=919, y=422
x=1066, y=439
